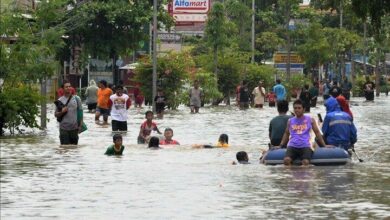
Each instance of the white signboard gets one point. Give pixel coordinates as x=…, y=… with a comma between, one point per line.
x=191, y=6
x=190, y=17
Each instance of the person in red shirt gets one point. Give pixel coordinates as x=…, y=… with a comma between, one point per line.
x=271, y=99
x=146, y=128
x=138, y=97
x=168, y=134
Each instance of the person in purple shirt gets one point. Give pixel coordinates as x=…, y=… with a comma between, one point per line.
x=297, y=134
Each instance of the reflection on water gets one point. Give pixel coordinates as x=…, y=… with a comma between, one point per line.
x=42, y=180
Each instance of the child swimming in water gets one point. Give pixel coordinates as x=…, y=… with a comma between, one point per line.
x=117, y=148
x=242, y=158
x=154, y=143
x=223, y=142
x=168, y=134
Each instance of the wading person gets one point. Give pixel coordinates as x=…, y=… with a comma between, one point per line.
x=259, y=95
x=314, y=92
x=119, y=103
x=117, y=148
x=66, y=113
x=168, y=134
x=346, y=87
x=91, y=94
x=297, y=136
x=305, y=97
x=338, y=129
x=244, y=95
x=278, y=124
x=161, y=101
x=368, y=89
x=104, y=94
x=279, y=91
x=196, y=95
x=146, y=128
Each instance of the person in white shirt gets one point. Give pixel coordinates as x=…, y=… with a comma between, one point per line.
x=259, y=95
x=119, y=103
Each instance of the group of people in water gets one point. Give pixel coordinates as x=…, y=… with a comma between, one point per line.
x=285, y=131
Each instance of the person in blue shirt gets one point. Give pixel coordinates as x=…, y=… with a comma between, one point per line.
x=279, y=90
x=338, y=128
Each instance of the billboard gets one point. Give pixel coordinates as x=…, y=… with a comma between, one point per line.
x=191, y=6
x=189, y=11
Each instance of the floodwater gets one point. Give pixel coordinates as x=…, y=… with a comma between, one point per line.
x=41, y=180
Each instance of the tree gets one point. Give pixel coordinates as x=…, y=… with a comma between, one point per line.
x=267, y=43
x=376, y=12
x=240, y=15
x=316, y=49
x=29, y=44
x=342, y=42
x=287, y=8
x=216, y=31
x=110, y=28
x=172, y=72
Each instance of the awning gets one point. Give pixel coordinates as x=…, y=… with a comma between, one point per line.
x=131, y=66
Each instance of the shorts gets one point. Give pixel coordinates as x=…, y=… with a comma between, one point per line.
x=299, y=153
x=244, y=104
x=69, y=137
x=92, y=106
x=103, y=111
x=119, y=125
x=271, y=104
x=160, y=108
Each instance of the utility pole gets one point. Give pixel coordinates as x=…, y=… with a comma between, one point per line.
x=341, y=14
x=253, y=31
x=154, y=54
x=44, y=97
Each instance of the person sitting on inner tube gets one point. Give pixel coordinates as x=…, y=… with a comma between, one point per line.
x=223, y=142
x=338, y=128
x=297, y=134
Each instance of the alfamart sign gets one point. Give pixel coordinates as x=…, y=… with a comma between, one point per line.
x=191, y=6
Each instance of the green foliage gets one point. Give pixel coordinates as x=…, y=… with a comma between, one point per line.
x=256, y=73
x=316, y=49
x=297, y=81
x=172, y=71
x=229, y=74
x=19, y=107
x=217, y=30
x=357, y=89
x=35, y=46
x=376, y=10
x=112, y=28
x=240, y=15
x=267, y=43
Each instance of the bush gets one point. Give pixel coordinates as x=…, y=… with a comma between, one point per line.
x=357, y=89
x=18, y=107
x=172, y=72
x=255, y=73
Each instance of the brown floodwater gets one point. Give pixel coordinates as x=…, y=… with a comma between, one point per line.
x=42, y=180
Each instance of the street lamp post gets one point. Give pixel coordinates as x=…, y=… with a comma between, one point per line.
x=253, y=32
x=154, y=53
